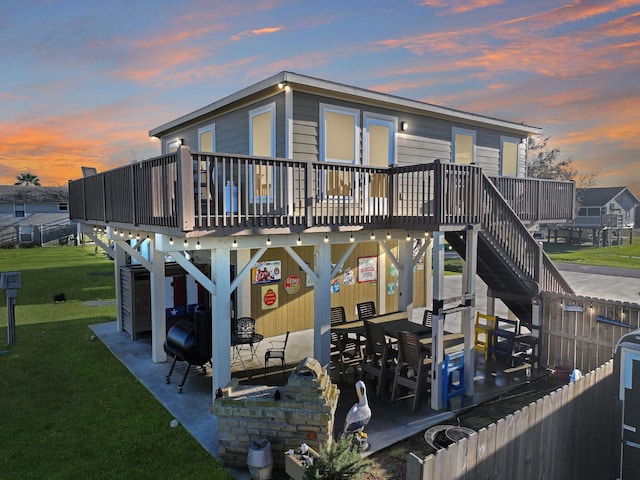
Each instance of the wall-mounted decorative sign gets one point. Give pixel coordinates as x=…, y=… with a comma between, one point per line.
x=348, y=277
x=292, y=284
x=266, y=272
x=573, y=308
x=269, y=297
x=367, y=269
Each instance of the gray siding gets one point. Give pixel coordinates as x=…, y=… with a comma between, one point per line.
x=427, y=139
x=232, y=129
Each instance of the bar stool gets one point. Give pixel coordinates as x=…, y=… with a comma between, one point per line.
x=453, y=363
x=484, y=324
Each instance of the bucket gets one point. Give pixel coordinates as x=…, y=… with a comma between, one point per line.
x=563, y=373
x=260, y=459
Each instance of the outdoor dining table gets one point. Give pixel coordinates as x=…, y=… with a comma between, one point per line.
x=398, y=321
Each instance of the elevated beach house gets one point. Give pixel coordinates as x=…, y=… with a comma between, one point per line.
x=297, y=194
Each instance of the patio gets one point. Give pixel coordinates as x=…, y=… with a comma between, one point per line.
x=390, y=423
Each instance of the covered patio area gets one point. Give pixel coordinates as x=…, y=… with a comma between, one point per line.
x=391, y=422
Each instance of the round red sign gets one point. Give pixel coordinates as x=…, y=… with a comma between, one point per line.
x=269, y=297
x=292, y=284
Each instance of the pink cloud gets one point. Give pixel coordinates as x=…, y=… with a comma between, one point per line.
x=256, y=32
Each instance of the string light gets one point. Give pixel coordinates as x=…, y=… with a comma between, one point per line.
x=408, y=239
x=186, y=243
x=326, y=239
x=298, y=242
x=373, y=236
x=198, y=246
x=170, y=240
x=388, y=235
x=235, y=243
x=351, y=239
x=268, y=240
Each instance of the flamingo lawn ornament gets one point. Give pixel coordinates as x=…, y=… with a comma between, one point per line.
x=359, y=415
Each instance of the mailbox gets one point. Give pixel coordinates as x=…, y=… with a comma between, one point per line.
x=10, y=280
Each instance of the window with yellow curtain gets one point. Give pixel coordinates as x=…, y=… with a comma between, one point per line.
x=509, y=156
x=338, y=129
x=262, y=137
x=464, y=142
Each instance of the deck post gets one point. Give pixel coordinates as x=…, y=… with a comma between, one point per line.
x=469, y=313
x=322, y=304
x=185, y=191
x=437, y=348
x=221, y=318
x=158, y=311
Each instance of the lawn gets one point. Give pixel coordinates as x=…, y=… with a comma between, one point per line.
x=70, y=409
x=624, y=256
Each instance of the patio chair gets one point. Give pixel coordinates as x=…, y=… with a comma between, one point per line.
x=412, y=369
x=341, y=344
x=366, y=310
x=453, y=366
x=427, y=319
x=484, y=324
x=379, y=354
x=245, y=334
x=501, y=339
x=276, y=351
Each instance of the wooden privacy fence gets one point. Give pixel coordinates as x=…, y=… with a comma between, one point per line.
x=565, y=435
x=582, y=332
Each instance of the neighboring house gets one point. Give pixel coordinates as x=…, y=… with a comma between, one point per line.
x=33, y=215
x=336, y=195
x=604, y=214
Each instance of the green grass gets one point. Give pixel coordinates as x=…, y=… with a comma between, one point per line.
x=624, y=256
x=68, y=408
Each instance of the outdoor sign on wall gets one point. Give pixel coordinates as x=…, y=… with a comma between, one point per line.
x=292, y=284
x=266, y=272
x=269, y=297
x=367, y=269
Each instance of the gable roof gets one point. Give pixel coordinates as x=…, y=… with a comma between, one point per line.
x=305, y=83
x=33, y=194
x=601, y=196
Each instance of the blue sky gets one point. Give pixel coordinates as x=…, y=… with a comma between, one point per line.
x=83, y=81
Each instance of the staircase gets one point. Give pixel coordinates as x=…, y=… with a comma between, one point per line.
x=509, y=260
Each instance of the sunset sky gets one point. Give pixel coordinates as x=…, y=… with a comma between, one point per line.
x=83, y=81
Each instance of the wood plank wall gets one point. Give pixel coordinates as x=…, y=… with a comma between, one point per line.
x=295, y=310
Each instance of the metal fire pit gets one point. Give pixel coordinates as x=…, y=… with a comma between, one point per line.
x=441, y=436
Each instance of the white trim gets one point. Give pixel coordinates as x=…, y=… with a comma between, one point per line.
x=386, y=121
x=168, y=143
x=462, y=131
x=208, y=128
x=324, y=108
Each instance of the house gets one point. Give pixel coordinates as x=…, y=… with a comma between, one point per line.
x=605, y=214
x=298, y=193
x=34, y=215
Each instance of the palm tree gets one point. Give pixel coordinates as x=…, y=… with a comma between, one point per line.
x=27, y=179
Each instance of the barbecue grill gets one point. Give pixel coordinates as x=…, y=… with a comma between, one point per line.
x=189, y=341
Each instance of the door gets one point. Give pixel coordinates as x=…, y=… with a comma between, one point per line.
x=630, y=414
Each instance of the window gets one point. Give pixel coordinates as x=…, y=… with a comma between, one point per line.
x=207, y=139
x=339, y=134
x=464, y=145
x=262, y=138
x=379, y=139
x=172, y=145
x=19, y=210
x=509, y=156
x=339, y=140
x=63, y=207
x=26, y=233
